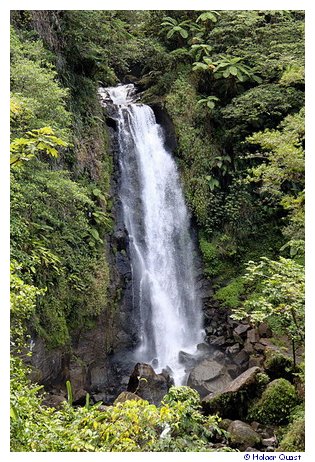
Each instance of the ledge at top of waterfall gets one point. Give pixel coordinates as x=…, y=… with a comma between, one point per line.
x=166, y=303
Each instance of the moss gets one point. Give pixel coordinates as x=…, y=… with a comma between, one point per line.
x=262, y=381
x=276, y=403
x=230, y=294
x=278, y=365
x=293, y=436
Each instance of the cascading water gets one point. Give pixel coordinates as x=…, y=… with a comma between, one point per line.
x=157, y=221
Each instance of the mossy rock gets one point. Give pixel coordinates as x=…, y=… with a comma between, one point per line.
x=127, y=396
x=232, y=402
x=278, y=365
x=276, y=403
x=242, y=436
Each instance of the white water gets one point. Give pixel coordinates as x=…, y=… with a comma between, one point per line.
x=157, y=222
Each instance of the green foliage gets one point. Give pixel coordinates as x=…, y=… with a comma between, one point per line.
x=208, y=16
x=34, y=143
x=34, y=85
x=281, y=175
x=56, y=243
x=172, y=26
x=230, y=295
x=277, y=292
x=23, y=302
x=69, y=392
x=293, y=439
x=260, y=107
x=209, y=101
x=278, y=364
x=226, y=67
x=275, y=404
x=126, y=427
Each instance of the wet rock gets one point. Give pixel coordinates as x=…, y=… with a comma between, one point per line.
x=120, y=237
x=126, y=396
x=269, y=441
x=252, y=335
x=259, y=347
x=264, y=330
x=248, y=346
x=255, y=361
x=78, y=380
x=208, y=377
x=51, y=366
x=255, y=425
x=245, y=380
x=241, y=329
x=97, y=374
x=233, y=370
x=187, y=359
x=232, y=402
x=238, y=339
x=204, y=348
x=103, y=408
x=242, y=435
x=218, y=356
x=241, y=359
x=233, y=349
x=217, y=341
x=249, y=449
x=147, y=384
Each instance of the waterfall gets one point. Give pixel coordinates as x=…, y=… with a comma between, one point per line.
x=156, y=218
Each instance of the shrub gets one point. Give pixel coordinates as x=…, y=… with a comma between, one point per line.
x=293, y=438
x=275, y=404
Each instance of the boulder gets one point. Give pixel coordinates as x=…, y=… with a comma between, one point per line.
x=252, y=335
x=233, y=370
x=217, y=340
x=259, y=347
x=218, y=356
x=225, y=423
x=232, y=401
x=187, y=359
x=149, y=385
x=241, y=329
x=204, y=348
x=208, y=377
x=269, y=441
x=244, y=381
x=255, y=361
x=126, y=396
x=233, y=349
x=264, y=330
x=242, y=435
x=241, y=358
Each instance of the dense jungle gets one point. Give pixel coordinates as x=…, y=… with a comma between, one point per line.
x=221, y=94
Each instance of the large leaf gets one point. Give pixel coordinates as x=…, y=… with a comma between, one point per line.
x=183, y=33
x=233, y=70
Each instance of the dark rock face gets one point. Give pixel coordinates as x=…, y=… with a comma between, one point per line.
x=147, y=384
x=165, y=121
x=208, y=377
x=50, y=366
